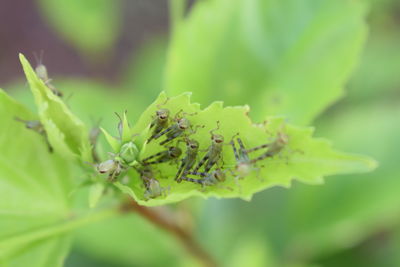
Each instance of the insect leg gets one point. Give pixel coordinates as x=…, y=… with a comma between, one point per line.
x=197, y=181
x=234, y=150
x=210, y=164
x=201, y=174
x=180, y=170
x=163, y=132
x=201, y=162
x=257, y=148
x=263, y=156
x=162, y=159
x=153, y=156
x=215, y=129
x=48, y=143
x=171, y=137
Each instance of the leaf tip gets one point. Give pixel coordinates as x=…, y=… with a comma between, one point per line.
x=21, y=57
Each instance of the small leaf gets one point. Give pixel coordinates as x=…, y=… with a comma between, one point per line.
x=304, y=158
x=63, y=128
x=126, y=129
x=95, y=192
x=112, y=141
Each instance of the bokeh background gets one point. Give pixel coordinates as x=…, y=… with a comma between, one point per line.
x=111, y=55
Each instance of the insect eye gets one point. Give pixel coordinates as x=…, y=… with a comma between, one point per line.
x=163, y=117
x=218, y=141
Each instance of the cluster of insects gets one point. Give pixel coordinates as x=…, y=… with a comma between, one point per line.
x=204, y=167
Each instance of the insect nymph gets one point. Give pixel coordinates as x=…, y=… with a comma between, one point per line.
x=243, y=162
x=151, y=184
x=214, y=153
x=174, y=131
x=159, y=123
x=192, y=148
x=112, y=166
x=243, y=165
x=273, y=148
x=41, y=72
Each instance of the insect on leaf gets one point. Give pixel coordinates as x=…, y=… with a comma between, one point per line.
x=63, y=128
x=304, y=157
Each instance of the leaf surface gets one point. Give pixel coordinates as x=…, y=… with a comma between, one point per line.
x=34, y=185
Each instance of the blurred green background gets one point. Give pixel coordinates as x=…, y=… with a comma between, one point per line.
x=115, y=55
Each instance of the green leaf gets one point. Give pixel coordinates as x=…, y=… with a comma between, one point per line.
x=65, y=131
x=281, y=57
x=304, y=158
x=126, y=129
x=34, y=185
x=92, y=26
x=112, y=141
x=48, y=253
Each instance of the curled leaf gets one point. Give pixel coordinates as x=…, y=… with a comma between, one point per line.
x=66, y=132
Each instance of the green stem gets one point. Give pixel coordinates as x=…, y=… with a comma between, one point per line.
x=8, y=245
x=176, y=12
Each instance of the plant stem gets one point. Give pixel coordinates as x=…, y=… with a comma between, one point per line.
x=181, y=234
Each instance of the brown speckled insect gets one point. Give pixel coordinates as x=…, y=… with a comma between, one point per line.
x=112, y=166
x=175, y=130
x=41, y=72
x=273, y=148
x=243, y=162
x=243, y=165
x=192, y=148
x=214, y=153
x=151, y=184
x=159, y=123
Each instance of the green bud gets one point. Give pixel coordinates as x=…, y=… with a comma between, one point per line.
x=129, y=152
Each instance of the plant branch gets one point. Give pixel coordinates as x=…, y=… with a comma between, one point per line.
x=181, y=234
